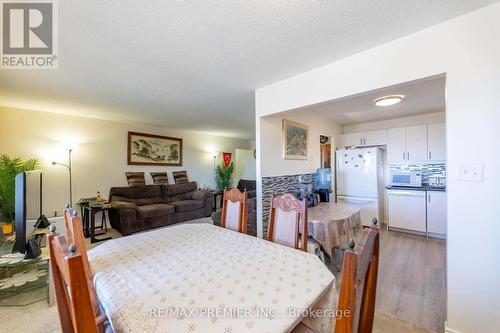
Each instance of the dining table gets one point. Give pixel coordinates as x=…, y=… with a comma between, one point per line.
x=329, y=223
x=203, y=278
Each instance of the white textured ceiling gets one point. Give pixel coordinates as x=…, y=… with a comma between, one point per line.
x=420, y=97
x=194, y=64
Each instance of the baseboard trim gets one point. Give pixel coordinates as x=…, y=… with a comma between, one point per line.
x=447, y=329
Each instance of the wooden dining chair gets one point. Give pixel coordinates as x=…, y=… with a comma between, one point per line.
x=288, y=220
x=358, y=287
x=74, y=290
x=359, y=283
x=74, y=235
x=235, y=210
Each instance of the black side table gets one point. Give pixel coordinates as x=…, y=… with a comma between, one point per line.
x=89, y=212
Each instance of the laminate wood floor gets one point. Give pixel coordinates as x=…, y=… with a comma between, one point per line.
x=412, y=279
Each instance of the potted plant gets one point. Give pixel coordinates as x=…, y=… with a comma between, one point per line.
x=224, y=176
x=9, y=168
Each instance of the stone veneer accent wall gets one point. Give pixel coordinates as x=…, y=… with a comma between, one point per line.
x=280, y=185
x=424, y=169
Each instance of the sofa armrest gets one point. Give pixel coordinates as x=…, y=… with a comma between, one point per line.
x=207, y=198
x=123, y=216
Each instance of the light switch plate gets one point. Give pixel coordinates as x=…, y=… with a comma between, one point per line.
x=470, y=172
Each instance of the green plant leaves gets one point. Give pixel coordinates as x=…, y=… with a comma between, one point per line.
x=9, y=168
x=224, y=176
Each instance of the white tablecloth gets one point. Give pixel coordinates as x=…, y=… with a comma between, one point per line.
x=203, y=278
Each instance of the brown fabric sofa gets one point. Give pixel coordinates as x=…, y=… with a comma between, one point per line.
x=250, y=187
x=150, y=206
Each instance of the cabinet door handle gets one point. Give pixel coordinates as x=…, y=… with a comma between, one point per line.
x=403, y=155
x=408, y=154
x=429, y=195
x=430, y=155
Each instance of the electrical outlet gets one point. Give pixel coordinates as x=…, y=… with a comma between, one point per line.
x=470, y=172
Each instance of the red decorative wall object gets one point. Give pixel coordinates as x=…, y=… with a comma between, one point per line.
x=227, y=158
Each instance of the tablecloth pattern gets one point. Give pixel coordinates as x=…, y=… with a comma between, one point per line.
x=328, y=223
x=201, y=266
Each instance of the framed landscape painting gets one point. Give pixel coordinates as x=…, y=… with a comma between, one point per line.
x=149, y=149
x=295, y=137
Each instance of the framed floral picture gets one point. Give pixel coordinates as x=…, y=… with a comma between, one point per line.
x=149, y=149
x=295, y=139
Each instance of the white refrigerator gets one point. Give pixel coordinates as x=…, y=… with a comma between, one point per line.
x=360, y=181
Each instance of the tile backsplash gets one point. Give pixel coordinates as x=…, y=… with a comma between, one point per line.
x=424, y=168
x=280, y=185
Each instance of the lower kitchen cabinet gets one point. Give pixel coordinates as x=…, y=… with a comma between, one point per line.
x=436, y=214
x=407, y=210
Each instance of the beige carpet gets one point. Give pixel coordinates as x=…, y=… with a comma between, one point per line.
x=40, y=318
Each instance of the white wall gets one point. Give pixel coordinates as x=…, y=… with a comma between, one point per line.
x=429, y=118
x=467, y=50
x=244, y=165
x=100, y=160
x=271, y=147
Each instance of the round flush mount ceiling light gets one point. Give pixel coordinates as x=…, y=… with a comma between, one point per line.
x=388, y=100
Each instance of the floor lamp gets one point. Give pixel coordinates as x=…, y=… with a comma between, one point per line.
x=214, y=155
x=70, y=178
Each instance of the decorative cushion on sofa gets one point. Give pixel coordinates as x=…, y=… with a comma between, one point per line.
x=135, y=179
x=180, y=177
x=154, y=210
x=159, y=177
x=187, y=205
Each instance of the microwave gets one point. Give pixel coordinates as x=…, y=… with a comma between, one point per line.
x=411, y=179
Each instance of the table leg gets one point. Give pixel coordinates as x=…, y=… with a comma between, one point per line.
x=86, y=223
x=93, y=235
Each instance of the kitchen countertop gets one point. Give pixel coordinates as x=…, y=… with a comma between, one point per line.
x=422, y=188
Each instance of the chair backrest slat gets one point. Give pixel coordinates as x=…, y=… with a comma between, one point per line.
x=234, y=210
x=71, y=289
x=75, y=295
x=74, y=235
x=359, y=284
x=288, y=220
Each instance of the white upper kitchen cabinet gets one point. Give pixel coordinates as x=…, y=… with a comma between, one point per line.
x=375, y=138
x=416, y=143
x=436, y=136
x=436, y=214
x=396, y=144
x=351, y=139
